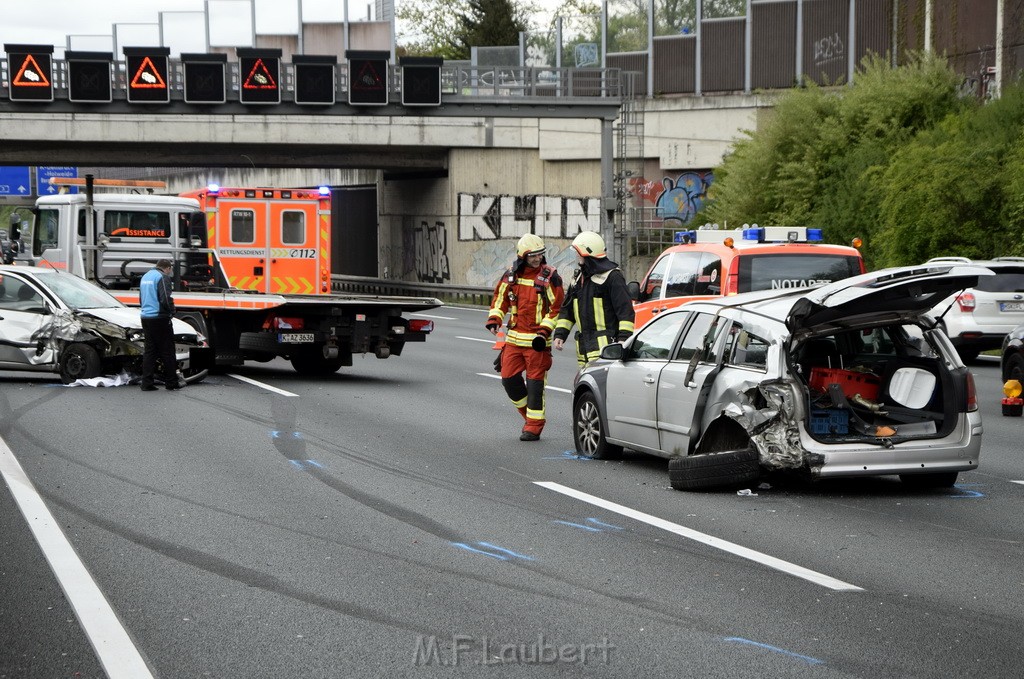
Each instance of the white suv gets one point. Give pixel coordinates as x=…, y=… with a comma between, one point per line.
x=977, y=319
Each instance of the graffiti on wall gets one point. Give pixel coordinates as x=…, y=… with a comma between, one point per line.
x=483, y=217
x=828, y=49
x=675, y=199
x=427, y=245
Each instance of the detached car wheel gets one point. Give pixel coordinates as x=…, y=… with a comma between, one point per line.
x=714, y=470
x=79, y=362
x=588, y=430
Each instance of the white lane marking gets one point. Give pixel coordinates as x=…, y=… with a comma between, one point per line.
x=475, y=339
x=1020, y=482
x=496, y=376
x=262, y=386
x=443, y=318
x=711, y=541
x=114, y=647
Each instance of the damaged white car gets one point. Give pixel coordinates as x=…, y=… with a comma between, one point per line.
x=851, y=378
x=52, y=321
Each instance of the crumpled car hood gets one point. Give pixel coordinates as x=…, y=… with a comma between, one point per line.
x=130, y=318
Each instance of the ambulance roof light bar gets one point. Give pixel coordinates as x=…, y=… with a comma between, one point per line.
x=782, y=234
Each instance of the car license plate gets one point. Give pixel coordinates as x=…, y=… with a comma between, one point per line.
x=295, y=337
x=1011, y=306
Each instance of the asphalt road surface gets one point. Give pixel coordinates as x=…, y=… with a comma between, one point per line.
x=388, y=522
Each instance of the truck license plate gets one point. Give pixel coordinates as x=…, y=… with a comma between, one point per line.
x=1011, y=306
x=295, y=337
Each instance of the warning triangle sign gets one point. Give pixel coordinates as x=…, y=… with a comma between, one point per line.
x=367, y=78
x=259, y=78
x=148, y=76
x=30, y=75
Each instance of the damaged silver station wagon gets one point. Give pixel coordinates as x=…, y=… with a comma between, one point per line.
x=851, y=378
x=52, y=321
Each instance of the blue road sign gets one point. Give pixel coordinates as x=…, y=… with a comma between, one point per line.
x=15, y=181
x=43, y=175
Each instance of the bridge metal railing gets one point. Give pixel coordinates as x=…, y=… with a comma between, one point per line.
x=458, y=80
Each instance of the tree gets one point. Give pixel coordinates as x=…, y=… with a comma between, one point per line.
x=489, y=23
x=449, y=28
x=822, y=156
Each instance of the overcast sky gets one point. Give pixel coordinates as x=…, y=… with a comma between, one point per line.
x=92, y=23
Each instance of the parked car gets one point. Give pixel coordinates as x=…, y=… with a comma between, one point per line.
x=978, y=319
x=714, y=263
x=52, y=321
x=1012, y=360
x=851, y=378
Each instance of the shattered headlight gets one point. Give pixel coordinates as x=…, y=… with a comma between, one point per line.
x=135, y=336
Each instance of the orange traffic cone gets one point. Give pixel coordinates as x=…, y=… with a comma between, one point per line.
x=499, y=343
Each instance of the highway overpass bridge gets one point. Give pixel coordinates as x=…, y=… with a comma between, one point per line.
x=466, y=160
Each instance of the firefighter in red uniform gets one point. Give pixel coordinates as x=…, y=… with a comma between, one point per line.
x=531, y=293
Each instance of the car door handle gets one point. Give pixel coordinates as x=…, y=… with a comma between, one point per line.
x=648, y=379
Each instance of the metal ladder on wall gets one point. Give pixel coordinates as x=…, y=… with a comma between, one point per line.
x=629, y=164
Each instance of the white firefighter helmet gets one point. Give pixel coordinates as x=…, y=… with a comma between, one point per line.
x=530, y=244
x=589, y=244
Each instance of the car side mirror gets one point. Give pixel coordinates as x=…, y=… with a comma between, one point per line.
x=634, y=290
x=613, y=352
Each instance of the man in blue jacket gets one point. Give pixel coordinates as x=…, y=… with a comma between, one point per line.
x=157, y=312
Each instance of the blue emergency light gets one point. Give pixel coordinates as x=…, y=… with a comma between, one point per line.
x=685, y=237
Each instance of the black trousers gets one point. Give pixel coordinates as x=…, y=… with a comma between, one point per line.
x=159, y=344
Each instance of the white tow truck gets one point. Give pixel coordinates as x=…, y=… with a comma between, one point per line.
x=114, y=238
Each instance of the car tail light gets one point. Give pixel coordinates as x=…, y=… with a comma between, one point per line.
x=966, y=301
x=972, y=394
x=421, y=325
x=288, y=323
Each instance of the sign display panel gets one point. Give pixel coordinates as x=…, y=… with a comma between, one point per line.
x=89, y=76
x=315, y=79
x=30, y=72
x=421, y=81
x=367, y=78
x=204, y=76
x=260, y=75
x=147, y=74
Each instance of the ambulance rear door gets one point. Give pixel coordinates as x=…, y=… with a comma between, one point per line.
x=241, y=240
x=294, y=237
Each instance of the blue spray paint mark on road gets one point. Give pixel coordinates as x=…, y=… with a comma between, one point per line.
x=966, y=493
x=315, y=464
x=579, y=525
x=505, y=551
x=502, y=553
x=296, y=463
x=569, y=455
x=806, y=658
x=603, y=524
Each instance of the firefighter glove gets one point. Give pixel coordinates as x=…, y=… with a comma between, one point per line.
x=492, y=326
x=539, y=343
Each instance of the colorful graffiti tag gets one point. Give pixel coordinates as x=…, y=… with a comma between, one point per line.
x=677, y=199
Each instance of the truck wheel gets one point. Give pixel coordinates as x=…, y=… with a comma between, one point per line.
x=714, y=470
x=79, y=362
x=310, y=360
x=259, y=346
